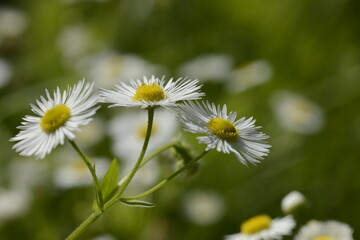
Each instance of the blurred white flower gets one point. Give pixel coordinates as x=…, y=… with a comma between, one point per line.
x=203, y=207
x=13, y=203
x=24, y=170
x=128, y=130
x=74, y=41
x=109, y=67
x=92, y=133
x=6, y=72
x=73, y=172
x=13, y=23
x=296, y=113
x=262, y=227
x=104, y=237
x=249, y=75
x=292, y=202
x=328, y=230
x=208, y=67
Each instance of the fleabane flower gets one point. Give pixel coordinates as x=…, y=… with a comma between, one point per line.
x=58, y=117
x=224, y=132
x=152, y=92
x=328, y=230
x=262, y=227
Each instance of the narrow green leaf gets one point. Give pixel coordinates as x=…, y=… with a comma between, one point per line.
x=137, y=203
x=109, y=182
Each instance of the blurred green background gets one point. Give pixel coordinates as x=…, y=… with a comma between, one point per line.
x=292, y=65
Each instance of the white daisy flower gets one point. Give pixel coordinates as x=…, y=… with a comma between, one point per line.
x=240, y=137
x=57, y=118
x=152, y=92
x=262, y=227
x=328, y=230
x=292, y=202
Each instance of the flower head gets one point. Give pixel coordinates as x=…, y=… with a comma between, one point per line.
x=328, y=230
x=240, y=137
x=152, y=92
x=57, y=118
x=292, y=202
x=262, y=227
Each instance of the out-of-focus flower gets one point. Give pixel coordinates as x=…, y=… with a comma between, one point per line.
x=223, y=132
x=296, y=113
x=328, y=230
x=203, y=207
x=104, y=237
x=74, y=42
x=57, y=119
x=6, y=72
x=73, y=172
x=128, y=132
x=152, y=92
x=23, y=170
x=249, y=75
x=262, y=227
x=76, y=1
x=209, y=67
x=292, y=202
x=13, y=23
x=109, y=67
x=13, y=203
x=92, y=133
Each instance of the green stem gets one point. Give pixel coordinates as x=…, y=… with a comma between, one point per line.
x=84, y=225
x=148, y=158
x=168, y=179
x=141, y=156
x=93, y=174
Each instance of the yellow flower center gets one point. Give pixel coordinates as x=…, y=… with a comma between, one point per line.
x=256, y=224
x=55, y=118
x=142, y=131
x=151, y=93
x=323, y=238
x=224, y=129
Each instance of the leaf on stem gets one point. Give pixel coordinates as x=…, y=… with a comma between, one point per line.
x=137, y=203
x=109, y=183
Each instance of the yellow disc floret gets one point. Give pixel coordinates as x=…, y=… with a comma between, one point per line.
x=55, y=118
x=151, y=93
x=222, y=128
x=323, y=238
x=255, y=224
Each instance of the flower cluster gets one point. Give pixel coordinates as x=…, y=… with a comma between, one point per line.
x=58, y=117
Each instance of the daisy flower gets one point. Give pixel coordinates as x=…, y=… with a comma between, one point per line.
x=57, y=118
x=262, y=227
x=152, y=92
x=328, y=230
x=240, y=137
